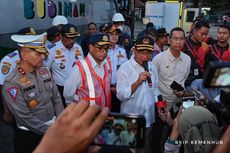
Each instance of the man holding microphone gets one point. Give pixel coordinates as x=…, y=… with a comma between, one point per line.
x=137, y=93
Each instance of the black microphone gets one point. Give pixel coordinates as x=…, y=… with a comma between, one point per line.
x=145, y=64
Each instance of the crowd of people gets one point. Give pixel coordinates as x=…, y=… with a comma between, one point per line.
x=57, y=93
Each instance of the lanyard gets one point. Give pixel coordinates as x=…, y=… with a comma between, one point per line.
x=216, y=52
x=192, y=49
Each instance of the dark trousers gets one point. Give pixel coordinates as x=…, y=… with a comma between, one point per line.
x=25, y=141
x=159, y=135
x=115, y=104
x=61, y=89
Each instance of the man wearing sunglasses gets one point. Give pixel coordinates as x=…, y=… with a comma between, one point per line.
x=90, y=78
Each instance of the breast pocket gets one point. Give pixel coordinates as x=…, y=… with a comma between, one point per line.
x=32, y=98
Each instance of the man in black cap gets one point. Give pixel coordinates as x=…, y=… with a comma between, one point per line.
x=161, y=41
x=137, y=93
x=63, y=55
x=53, y=36
x=149, y=30
x=90, y=78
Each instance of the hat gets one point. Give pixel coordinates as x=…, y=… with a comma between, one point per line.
x=118, y=17
x=161, y=32
x=104, y=27
x=59, y=19
x=52, y=31
x=113, y=28
x=99, y=39
x=144, y=43
x=69, y=30
x=37, y=42
x=27, y=31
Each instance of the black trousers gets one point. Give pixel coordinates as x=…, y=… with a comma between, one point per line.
x=25, y=141
x=61, y=89
x=116, y=103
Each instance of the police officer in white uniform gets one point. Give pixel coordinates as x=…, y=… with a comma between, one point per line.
x=63, y=55
x=31, y=94
x=117, y=56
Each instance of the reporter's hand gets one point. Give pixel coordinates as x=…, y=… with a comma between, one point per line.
x=175, y=130
x=179, y=93
x=74, y=129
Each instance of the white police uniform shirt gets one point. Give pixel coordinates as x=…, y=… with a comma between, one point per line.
x=61, y=60
x=142, y=101
x=8, y=63
x=118, y=57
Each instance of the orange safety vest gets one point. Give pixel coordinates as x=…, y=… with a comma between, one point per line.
x=102, y=86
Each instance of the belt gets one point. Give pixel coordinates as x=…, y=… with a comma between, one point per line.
x=47, y=123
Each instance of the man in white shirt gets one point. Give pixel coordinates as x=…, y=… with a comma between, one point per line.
x=117, y=56
x=133, y=90
x=173, y=65
x=63, y=55
x=90, y=78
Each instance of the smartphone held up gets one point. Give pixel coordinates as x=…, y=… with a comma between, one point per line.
x=122, y=130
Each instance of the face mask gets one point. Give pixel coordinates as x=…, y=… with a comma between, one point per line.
x=120, y=27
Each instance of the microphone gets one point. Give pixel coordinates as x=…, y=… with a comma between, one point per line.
x=145, y=64
x=161, y=104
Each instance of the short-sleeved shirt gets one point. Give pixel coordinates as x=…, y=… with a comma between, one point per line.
x=118, y=57
x=61, y=60
x=171, y=69
x=8, y=63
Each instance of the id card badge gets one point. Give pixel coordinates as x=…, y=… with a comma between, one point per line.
x=118, y=66
x=196, y=72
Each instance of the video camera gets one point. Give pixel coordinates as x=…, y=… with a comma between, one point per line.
x=217, y=75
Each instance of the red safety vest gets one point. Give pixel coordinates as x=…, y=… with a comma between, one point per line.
x=102, y=86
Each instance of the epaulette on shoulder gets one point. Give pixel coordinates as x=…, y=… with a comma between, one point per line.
x=51, y=46
x=12, y=54
x=204, y=46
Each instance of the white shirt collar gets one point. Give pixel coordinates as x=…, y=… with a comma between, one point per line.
x=93, y=62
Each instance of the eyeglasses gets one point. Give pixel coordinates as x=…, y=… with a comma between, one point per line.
x=103, y=48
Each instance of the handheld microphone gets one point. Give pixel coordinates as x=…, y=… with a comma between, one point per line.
x=145, y=64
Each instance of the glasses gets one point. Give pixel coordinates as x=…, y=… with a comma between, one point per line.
x=103, y=48
x=176, y=39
